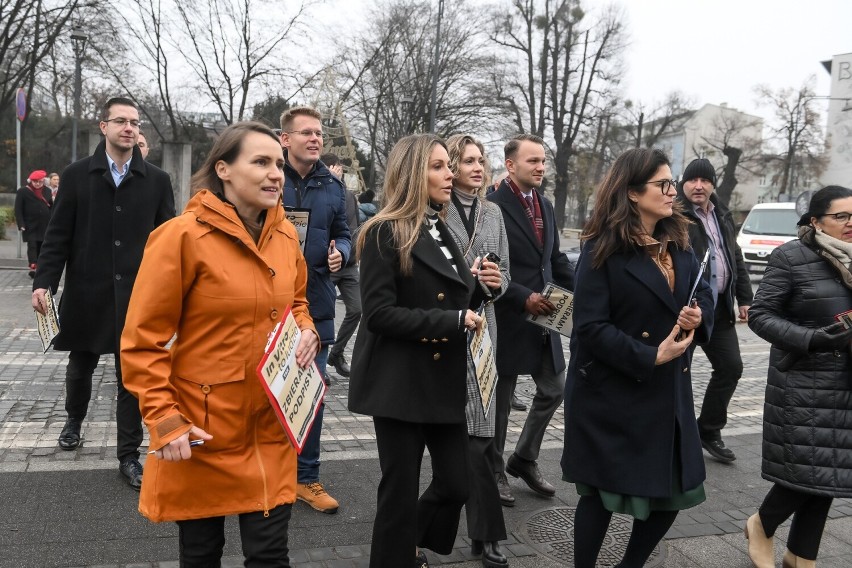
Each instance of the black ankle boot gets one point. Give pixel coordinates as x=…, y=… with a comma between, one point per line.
x=69, y=438
x=492, y=557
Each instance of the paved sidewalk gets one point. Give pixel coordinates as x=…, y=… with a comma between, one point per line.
x=72, y=508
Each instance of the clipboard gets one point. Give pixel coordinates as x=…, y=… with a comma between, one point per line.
x=691, y=300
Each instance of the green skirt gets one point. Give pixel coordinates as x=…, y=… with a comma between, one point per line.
x=641, y=507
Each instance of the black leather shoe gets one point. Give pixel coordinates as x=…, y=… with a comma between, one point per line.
x=420, y=560
x=529, y=472
x=506, y=497
x=69, y=438
x=132, y=470
x=717, y=449
x=492, y=557
x=517, y=404
x=339, y=363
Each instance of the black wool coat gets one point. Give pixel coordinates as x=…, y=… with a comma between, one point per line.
x=622, y=410
x=32, y=214
x=739, y=286
x=531, y=267
x=410, y=357
x=807, y=413
x=97, y=235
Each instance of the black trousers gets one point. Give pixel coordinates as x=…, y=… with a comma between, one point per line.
x=483, y=509
x=33, y=250
x=78, y=393
x=809, y=515
x=723, y=352
x=402, y=520
x=264, y=540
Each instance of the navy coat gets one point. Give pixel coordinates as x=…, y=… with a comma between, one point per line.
x=97, y=235
x=531, y=267
x=621, y=409
x=325, y=195
x=410, y=358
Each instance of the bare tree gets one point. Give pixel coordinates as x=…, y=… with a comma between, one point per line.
x=797, y=133
x=738, y=137
x=387, y=76
x=564, y=61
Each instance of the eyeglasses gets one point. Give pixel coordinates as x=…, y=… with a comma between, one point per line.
x=841, y=218
x=307, y=133
x=122, y=122
x=664, y=185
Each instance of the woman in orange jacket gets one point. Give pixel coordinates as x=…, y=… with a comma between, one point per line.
x=218, y=278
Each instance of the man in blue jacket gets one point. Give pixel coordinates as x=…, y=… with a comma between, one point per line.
x=310, y=188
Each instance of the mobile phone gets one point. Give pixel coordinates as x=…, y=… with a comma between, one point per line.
x=492, y=257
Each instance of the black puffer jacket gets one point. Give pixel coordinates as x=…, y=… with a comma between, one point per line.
x=807, y=416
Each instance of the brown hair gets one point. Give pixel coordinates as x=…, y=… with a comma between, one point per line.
x=290, y=114
x=455, y=148
x=615, y=220
x=406, y=195
x=226, y=148
x=510, y=150
x=124, y=101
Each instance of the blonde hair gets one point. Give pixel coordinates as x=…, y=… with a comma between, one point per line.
x=289, y=115
x=406, y=195
x=455, y=148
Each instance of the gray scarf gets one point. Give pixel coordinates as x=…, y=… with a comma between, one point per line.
x=836, y=252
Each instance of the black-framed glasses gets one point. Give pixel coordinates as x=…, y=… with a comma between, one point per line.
x=307, y=133
x=842, y=217
x=664, y=184
x=122, y=122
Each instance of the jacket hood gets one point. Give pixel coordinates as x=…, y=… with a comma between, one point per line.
x=320, y=169
x=209, y=209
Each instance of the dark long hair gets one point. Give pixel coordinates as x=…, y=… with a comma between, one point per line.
x=615, y=220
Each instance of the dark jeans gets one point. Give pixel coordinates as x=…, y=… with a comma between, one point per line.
x=402, y=520
x=78, y=393
x=309, y=459
x=264, y=540
x=33, y=250
x=347, y=281
x=723, y=352
x=809, y=515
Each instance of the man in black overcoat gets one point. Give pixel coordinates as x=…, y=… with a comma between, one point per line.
x=109, y=204
x=523, y=347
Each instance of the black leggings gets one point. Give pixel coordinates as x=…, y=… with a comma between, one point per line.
x=590, y=525
x=809, y=515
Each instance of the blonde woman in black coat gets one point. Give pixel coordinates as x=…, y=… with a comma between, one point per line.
x=409, y=363
x=807, y=430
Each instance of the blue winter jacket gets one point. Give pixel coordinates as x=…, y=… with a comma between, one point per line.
x=325, y=196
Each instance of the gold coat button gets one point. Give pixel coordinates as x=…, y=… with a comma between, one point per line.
x=273, y=314
x=444, y=339
x=440, y=296
x=686, y=369
x=436, y=356
x=645, y=335
x=424, y=340
x=434, y=341
x=205, y=389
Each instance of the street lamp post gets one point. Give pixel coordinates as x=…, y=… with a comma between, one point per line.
x=434, y=94
x=78, y=39
x=408, y=112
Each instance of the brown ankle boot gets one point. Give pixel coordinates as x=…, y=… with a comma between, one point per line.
x=760, y=547
x=793, y=561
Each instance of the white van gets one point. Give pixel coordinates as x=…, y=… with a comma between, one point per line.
x=767, y=226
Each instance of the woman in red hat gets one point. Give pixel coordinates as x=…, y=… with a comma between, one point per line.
x=32, y=212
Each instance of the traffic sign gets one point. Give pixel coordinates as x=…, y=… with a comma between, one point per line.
x=21, y=105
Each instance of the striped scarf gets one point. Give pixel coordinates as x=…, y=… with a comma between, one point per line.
x=432, y=224
x=533, y=213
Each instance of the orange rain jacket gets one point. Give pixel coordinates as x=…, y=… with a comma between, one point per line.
x=204, y=279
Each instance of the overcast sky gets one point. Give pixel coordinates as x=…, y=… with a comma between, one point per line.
x=714, y=51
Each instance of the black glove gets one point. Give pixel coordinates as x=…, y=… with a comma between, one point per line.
x=831, y=337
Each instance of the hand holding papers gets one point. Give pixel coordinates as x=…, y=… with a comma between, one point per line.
x=295, y=393
x=560, y=321
x=482, y=357
x=47, y=322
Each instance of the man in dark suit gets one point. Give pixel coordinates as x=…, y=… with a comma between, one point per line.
x=109, y=204
x=713, y=228
x=522, y=347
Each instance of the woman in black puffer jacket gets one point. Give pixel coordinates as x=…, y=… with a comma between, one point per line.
x=807, y=429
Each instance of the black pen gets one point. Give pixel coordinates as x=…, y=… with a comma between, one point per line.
x=191, y=443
